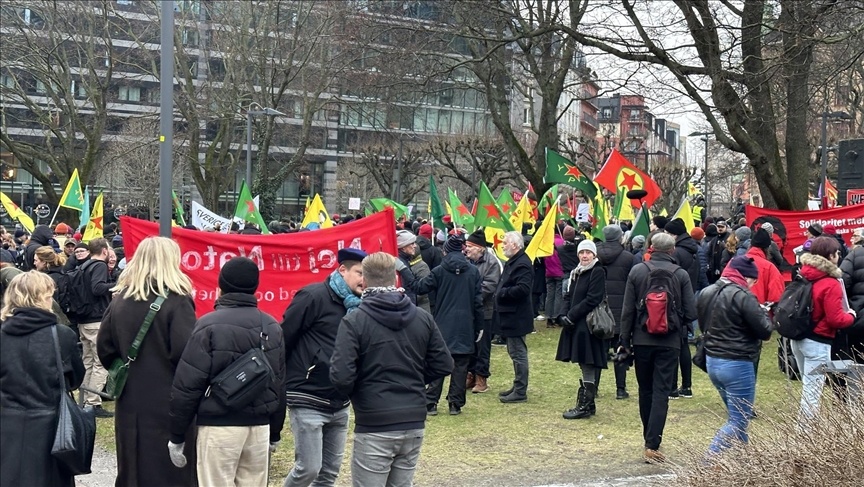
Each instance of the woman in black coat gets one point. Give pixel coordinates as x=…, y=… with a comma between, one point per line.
x=587, y=287
x=141, y=420
x=30, y=387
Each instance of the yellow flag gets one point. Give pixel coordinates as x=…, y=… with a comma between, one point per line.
x=16, y=213
x=663, y=212
x=685, y=213
x=94, y=226
x=543, y=242
x=317, y=213
x=496, y=237
x=522, y=214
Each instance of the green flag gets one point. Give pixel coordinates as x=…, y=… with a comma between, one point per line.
x=436, y=209
x=178, y=209
x=72, y=196
x=489, y=214
x=247, y=211
x=549, y=197
x=461, y=214
x=641, y=223
x=559, y=169
x=599, y=214
x=506, y=202
x=380, y=204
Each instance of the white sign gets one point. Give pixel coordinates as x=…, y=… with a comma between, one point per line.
x=353, y=203
x=204, y=219
x=582, y=212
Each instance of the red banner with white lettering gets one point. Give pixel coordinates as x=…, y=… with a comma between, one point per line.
x=791, y=226
x=287, y=262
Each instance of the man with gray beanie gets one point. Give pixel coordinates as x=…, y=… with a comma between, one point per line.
x=656, y=354
x=411, y=259
x=232, y=444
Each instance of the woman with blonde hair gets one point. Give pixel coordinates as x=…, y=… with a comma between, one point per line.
x=141, y=417
x=50, y=262
x=30, y=385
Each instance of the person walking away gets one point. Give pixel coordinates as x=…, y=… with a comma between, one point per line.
x=849, y=342
x=141, y=420
x=617, y=262
x=42, y=235
x=478, y=253
x=384, y=356
x=554, y=277
x=50, y=262
x=686, y=255
x=30, y=383
x=829, y=314
x=514, y=313
x=97, y=288
x=317, y=411
x=232, y=444
x=586, y=289
x=734, y=327
x=656, y=354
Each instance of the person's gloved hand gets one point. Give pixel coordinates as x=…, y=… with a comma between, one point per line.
x=175, y=451
x=400, y=265
x=563, y=320
x=273, y=446
x=479, y=337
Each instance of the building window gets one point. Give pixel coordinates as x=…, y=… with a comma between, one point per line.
x=190, y=37
x=635, y=115
x=191, y=6
x=606, y=113
x=7, y=81
x=130, y=93
x=40, y=87
x=125, y=2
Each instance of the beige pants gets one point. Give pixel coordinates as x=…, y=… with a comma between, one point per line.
x=95, y=375
x=233, y=456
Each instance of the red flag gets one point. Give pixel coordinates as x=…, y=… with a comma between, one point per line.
x=618, y=171
x=534, y=212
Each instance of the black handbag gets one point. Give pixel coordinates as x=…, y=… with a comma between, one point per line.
x=699, y=359
x=245, y=379
x=76, y=427
x=119, y=370
x=600, y=321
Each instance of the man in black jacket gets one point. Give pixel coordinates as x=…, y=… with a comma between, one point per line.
x=98, y=288
x=686, y=255
x=714, y=250
x=318, y=412
x=656, y=355
x=41, y=235
x=514, y=313
x=232, y=444
x=384, y=356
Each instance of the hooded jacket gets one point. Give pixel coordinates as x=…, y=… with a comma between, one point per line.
x=490, y=272
x=769, y=287
x=685, y=254
x=827, y=296
x=30, y=391
x=568, y=253
x=733, y=323
x=41, y=235
x=431, y=254
x=617, y=263
x=553, y=262
x=385, y=354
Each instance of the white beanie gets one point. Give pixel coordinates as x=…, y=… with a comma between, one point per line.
x=587, y=244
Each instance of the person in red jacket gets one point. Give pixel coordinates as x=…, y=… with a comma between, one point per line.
x=769, y=287
x=830, y=314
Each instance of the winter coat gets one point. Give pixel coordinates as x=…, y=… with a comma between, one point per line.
x=221, y=337
x=617, y=263
x=775, y=256
x=714, y=248
x=685, y=255
x=569, y=256
x=539, y=283
x=421, y=270
x=490, y=272
x=30, y=391
x=56, y=275
x=577, y=344
x=514, y=314
x=733, y=323
x=633, y=329
x=852, y=338
x=96, y=273
x=553, y=262
x=385, y=354
x=431, y=254
x=827, y=298
x=770, y=286
x=459, y=310
x=141, y=419
x=40, y=237
x=309, y=328
x=703, y=268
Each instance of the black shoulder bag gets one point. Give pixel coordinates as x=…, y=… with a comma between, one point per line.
x=245, y=379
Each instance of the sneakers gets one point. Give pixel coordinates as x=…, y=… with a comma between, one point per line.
x=480, y=386
x=674, y=394
x=653, y=456
x=431, y=410
x=513, y=397
x=540, y=317
x=102, y=412
x=622, y=393
x=455, y=410
x=685, y=392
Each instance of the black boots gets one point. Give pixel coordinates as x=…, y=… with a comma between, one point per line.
x=585, y=406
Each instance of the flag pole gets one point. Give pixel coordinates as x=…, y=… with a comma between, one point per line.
x=55, y=215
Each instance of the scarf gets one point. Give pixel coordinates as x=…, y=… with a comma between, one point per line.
x=340, y=287
x=371, y=291
x=580, y=269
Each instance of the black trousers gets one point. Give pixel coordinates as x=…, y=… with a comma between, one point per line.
x=479, y=363
x=456, y=393
x=656, y=368
x=686, y=362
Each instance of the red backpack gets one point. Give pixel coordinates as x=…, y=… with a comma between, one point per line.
x=661, y=299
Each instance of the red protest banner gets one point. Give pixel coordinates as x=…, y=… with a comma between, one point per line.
x=854, y=197
x=287, y=262
x=791, y=226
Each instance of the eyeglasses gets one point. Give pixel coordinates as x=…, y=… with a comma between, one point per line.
x=81, y=251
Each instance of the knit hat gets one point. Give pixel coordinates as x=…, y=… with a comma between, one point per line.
x=829, y=229
x=660, y=221
x=638, y=241
x=405, y=238
x=117, y=241
x=6, y=256
x=697, y=233
x=743, y=234
x=768, y=227
x=478, y=238
x=612, y=233
x=350, y=254
x=425, y=231
x=807, y=244
x=441, y=236
x=745, y=266
x=454, y=244
x=77, y=236
x=711, y=230
x=761, y=239
x=569, y=233
x=587, y=245
x=815, y=229
x=62, y=229
x=82, y=245
x=19, y=233
x=676, y=227
x=239, y=275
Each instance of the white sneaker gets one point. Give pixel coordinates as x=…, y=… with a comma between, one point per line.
x=540, y=317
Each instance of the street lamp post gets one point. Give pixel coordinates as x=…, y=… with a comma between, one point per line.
x=249, y=113
x=704, y=136
x=824, y=155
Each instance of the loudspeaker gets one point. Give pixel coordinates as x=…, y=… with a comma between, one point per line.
x=850, y=172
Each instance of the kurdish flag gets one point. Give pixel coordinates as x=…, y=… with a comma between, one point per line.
x=94, y=226
x=460, y=213
x=618, y=171
x=381, y=204
x=73, y=197
x=490, y=216
x=559, y=169
x=17, y=213
x=247, y=211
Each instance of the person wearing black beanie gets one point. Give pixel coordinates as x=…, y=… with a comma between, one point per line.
x=478, y=238
x=239, y=275
x=675, y=227
x=760, y=239
x=658, y=222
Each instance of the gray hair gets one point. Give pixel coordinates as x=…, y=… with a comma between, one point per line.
x=516, y=238
x=663, y=242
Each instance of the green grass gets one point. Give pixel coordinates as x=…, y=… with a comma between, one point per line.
x=530, y=443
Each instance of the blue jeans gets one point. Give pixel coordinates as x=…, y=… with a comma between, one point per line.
x=319, y=444
x=736, y=382
x=386, y=459
x=809, y=354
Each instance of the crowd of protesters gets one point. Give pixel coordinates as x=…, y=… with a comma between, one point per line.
x=357, y=339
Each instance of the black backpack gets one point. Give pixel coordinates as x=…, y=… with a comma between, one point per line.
x=660, y=298
x=793, y=315
x=74, y=295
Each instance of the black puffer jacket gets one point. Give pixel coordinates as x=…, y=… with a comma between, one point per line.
x=431, y=254
x=687, y=256
x=853, y=276
x=41, y=235
x=617, y=263
x=221, y=337
x=309, y=328
x=569, y=255
x=385, y=354
x=732, y=321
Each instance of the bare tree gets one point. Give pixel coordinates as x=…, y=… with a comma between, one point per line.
x=383, y=160
x=468, y=160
